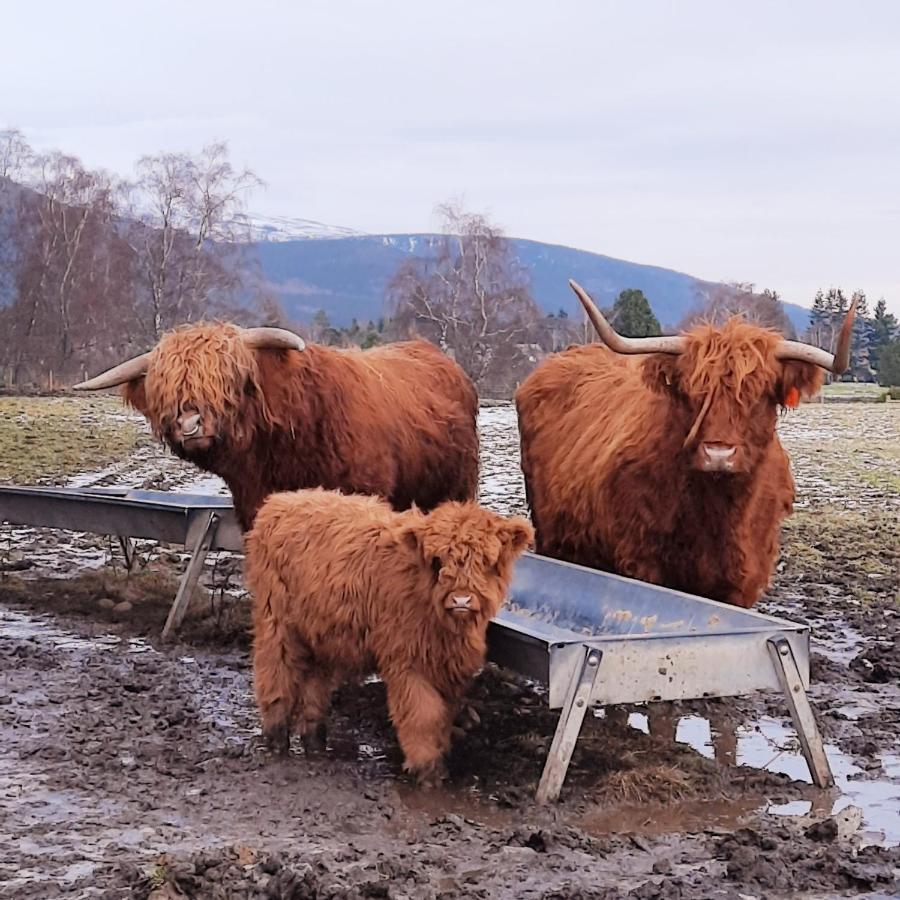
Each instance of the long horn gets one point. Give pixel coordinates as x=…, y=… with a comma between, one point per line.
x=616, y=341
x=838, y=363
x=123, y=372
x=272, y=338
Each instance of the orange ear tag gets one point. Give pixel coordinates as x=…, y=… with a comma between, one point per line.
x=793, y=398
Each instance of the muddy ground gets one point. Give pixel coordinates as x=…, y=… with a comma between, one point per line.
x=133, y=769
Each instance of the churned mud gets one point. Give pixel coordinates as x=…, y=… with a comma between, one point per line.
x=133, y=769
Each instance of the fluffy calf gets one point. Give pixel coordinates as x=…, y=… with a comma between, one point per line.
x=267, y=412
x=343, y=585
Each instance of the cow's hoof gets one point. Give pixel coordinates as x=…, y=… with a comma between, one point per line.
x=315, y=740
x=431, y=775
x=278, y=739
x=468, y=718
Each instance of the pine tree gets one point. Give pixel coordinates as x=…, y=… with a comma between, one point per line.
x=860, y=348
x=632, y=316
x=885, y=329
x=819, y=314
x=889, y=368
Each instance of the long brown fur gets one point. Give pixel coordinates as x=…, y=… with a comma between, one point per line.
x=398, y=421
x=608, y=450
x=343, y=585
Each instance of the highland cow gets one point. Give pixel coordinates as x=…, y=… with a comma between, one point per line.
x=267, y=413
x=344, y=585
x=667, y=467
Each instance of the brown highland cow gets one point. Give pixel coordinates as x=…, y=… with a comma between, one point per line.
x=343, y=585
x=657, y=458
x=267, y=413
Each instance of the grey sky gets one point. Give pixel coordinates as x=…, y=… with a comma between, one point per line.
x=756, y=141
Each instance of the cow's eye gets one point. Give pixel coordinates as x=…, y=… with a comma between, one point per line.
x=436, y=565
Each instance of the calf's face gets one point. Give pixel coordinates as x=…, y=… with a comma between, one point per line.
x=467, y=554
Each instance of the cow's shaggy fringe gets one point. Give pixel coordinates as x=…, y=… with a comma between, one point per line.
x=609, y=446
x=344, y=585
x=396, y=421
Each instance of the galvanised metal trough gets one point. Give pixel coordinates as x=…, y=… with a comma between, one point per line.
x=592, y=638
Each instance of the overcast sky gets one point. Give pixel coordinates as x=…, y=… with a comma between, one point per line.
x=753, y=142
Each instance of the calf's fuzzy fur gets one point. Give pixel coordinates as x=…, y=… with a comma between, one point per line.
x=343, y=585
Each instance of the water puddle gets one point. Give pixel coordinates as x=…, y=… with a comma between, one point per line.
x=768, y=744
x=690, y=817
x=21, y=626
x=421, y=806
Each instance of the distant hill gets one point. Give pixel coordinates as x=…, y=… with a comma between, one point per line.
x=347, y=276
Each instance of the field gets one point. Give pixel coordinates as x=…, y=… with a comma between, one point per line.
x=130, y=768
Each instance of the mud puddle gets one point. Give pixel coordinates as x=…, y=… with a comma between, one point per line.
x=766, y=743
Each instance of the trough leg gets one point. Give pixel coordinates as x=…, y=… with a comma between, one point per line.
x=801, y=712
x=128, y=551
x=191, y=576
x=569, y=726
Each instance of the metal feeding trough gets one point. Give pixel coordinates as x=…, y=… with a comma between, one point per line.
x=597, y=639
x=592, y=638
x=200, y=522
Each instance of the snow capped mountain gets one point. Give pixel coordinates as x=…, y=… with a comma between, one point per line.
x=284, y=228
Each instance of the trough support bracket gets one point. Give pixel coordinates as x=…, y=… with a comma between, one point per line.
x=129, y=551
x=569, y=727
x=191, y=575
x=801, y=712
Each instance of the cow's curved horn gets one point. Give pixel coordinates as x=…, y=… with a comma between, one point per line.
x=836, y=364
x=123, y=372
x=616, y=341
x=272, y=338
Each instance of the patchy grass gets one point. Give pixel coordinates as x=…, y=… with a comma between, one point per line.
x=852, y=390
x=46, y=439
x=135, y=603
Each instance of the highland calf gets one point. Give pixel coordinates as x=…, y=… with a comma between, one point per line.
x=666, y=466
x=267, y=413
x=343, y=585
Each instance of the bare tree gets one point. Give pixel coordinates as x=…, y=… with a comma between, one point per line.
x=468, y=294
x=188, y=229
x=15, y=153
x=721, y=301
x=69, y=269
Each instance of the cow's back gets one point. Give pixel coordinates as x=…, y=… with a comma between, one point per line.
x=398, y=421
x=421, y=410
x=576, y=411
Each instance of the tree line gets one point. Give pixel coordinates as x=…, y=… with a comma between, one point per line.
x=94, y=268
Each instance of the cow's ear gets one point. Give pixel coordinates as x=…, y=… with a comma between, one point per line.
x=135, y=395
x=798, y=380
x=660, y=372
x=516, y=535
x=410, y=537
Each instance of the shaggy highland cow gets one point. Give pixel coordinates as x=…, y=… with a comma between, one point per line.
x=667, y=467
x=344, y=585
x=267, y=413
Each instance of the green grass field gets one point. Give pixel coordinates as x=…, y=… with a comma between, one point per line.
x=45, y=439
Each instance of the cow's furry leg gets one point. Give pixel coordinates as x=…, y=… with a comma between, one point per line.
x=422, y=720
x=314, y=698
x=280, y=663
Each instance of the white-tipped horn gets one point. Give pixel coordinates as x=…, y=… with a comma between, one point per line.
x=120, y=374
x=618, y=342
x=836, y=363
x=272, y=338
